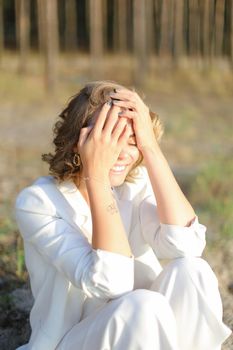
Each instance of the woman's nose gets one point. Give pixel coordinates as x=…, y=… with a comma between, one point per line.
x=123, y=154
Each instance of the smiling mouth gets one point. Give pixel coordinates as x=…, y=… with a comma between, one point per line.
x=118, y=168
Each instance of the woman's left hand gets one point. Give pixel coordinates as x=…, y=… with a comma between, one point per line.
x=134, y=108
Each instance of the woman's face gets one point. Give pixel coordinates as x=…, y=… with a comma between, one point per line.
x=127, y=159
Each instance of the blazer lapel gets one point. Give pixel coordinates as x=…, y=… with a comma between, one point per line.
x=81, y=215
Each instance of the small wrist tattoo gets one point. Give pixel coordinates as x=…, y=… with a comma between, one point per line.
x=112, y=208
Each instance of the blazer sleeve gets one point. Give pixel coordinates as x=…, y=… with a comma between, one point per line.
x=98, y=273
x=170, y=241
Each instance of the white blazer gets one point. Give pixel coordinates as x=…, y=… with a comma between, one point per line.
x=69, y=279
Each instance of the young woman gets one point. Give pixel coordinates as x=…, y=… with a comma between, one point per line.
x=94, y=230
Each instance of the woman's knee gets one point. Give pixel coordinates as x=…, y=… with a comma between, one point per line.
x=195, y=267
x=188, y=274
x=146, y=320
x=146, y=301
x=185, y=275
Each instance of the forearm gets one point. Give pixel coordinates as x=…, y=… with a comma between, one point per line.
x=108, y=231
x=173, y=207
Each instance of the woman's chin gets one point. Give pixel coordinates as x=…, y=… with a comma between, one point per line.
x=117, y=179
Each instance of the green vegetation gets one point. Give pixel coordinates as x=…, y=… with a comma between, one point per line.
x=211, y=194
x=11, y=246
x=5, y=302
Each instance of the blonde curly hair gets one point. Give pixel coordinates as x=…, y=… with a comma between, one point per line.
x=79, y=113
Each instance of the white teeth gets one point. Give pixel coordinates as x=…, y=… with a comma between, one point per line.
x=119, y=167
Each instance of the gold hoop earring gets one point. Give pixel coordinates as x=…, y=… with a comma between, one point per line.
x=76, y=160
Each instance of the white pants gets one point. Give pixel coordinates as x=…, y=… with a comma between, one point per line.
x=181, y=311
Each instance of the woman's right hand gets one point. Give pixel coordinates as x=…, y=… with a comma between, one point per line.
x=99, y=146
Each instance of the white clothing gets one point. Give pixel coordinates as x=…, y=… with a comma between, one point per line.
x=187, y=318
x=87, y=299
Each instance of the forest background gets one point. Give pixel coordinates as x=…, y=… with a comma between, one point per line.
x=178, y=54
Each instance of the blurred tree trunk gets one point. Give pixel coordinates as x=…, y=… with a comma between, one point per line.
x=96, y=36
x=41, y=25
x=157, y=24
x=231, y=34
x=70, y=25
x=227, y=30
x=104, y=16
x=130, y=28
x=211, y=32
x=150, y=33
x=219, y=27
x=1, y=32
x=206, y=28
x=194, y=28
x=165, y=34
x=17, y=22
x=115, y=25
x=178, y=30
x=120, y=26
x=140, y=42
x=23, y=32
x=50, y=15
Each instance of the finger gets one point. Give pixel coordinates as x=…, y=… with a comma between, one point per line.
x=123, y=139
x=127, y=114
x=84, y=133
x=119, y=93
x=131, y=105
x=124, y=94
x=111, y=121
x=121, y=124
x=101, y=118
